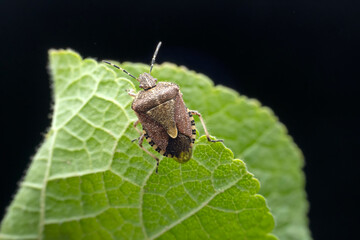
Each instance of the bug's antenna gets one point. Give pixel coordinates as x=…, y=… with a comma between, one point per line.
x=119, y=68
x=153, y=58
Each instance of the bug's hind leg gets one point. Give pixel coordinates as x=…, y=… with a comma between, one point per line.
x=140, y=142
x=204, y=126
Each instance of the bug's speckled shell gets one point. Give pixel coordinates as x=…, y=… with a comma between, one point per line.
x=161, y=109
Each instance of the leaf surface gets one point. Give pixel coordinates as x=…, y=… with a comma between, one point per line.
x=255, y=135
x=88, y=180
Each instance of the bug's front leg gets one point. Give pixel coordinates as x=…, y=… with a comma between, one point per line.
x=140, y=142
x=131, y=92
x=204, y=126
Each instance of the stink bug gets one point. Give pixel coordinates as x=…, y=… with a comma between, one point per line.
x=168, y=125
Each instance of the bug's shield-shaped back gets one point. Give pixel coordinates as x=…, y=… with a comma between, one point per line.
x=164, y=114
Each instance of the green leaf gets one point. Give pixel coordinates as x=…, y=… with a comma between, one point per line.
x=89, y=181
x=255, y=135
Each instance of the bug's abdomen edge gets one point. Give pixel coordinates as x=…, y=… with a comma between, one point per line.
x=181, y=154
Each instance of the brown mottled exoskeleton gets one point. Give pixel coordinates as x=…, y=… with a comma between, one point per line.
x=168, y=125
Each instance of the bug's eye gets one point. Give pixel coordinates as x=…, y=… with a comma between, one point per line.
x=155, y=79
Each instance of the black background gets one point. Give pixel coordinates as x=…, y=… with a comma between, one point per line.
x=297, y=57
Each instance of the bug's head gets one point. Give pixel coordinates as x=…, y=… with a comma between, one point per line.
x=147, y=81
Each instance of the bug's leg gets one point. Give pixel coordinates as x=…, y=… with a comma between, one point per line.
x=138, y=130
x=141, y=139
x=131, y=92
x=135, y=124
x=204, y=126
